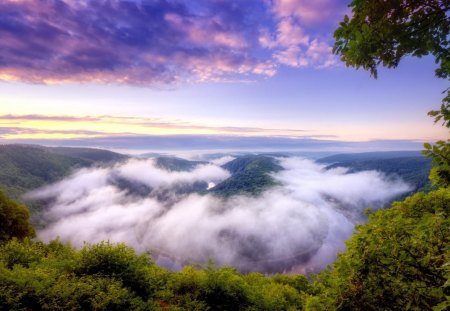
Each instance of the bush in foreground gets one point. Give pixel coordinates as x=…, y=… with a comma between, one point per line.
x=14, y=220
x=399, y=260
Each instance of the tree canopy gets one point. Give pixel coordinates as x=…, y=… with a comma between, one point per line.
x=399, y=260
x=14, y=220
x=382, y=32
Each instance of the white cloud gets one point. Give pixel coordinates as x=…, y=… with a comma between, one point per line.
x=223, y=160
x=298, y=225
x=147, y=173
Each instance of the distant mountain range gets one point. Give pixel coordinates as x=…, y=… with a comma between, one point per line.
x=27, y=167
x=175, y=164
x=366, y=156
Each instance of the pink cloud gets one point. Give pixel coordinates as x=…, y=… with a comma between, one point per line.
x=307, y=11
x=293, y=45
x=289, y=33
x=292, y=56
x=202, y=31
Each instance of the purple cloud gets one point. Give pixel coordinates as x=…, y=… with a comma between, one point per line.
x=125, y=122
x=23, y=130
x=158, y=42
x=40, y=117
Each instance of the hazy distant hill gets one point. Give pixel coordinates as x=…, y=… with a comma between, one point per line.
x=365, y=156
x=411, y=166
x=250, y=175
x=26, y=167
x=95, y=155
x=176, y=164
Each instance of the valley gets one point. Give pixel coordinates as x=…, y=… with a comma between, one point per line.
x=148, y=195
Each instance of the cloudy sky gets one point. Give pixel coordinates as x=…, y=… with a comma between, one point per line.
x=92, y=72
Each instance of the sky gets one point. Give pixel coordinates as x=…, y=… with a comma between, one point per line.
x=201, y=74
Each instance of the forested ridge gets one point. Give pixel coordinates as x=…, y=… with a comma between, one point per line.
x=249, y=175
x=413, y=170
x=27, y=167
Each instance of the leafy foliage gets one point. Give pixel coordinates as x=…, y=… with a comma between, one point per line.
x=118, y=261
x=14, y=220
x=397, y=261
x=382, y=32
x=113, y=277
x=440, y=152
x=49, y=281
x=443, y=114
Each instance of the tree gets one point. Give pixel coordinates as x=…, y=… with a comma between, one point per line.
x=383, y=32
x=14, y=220
x=399, y=260
x=440, y=152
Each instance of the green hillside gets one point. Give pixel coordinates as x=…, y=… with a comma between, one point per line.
x=176, y=164
x=412, y=169
x=399, y=260
x=249, y=175
x=366, y=156
x=91, y=154
x=27, y=167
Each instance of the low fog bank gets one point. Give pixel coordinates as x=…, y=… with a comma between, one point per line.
x=297, y=226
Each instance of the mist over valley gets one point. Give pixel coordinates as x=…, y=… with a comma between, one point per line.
x=270, y=213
